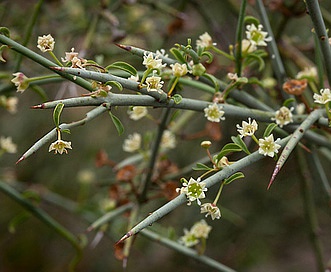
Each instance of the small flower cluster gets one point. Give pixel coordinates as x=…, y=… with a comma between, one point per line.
x=199, y=231
x=193, y=189
x=7, y=145
x=267, y=146
x=59, y=146
x=20, y=81
x=283, y=116
x=9, y=103
x=46, y=43
x=73, y=59
x=133, y=142
x=255, y=37
x=324, y=97
x=214, y=113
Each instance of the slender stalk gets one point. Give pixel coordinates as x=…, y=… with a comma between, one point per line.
x=276, y=60
x=43, y=61
x=295, y=138
x=239, y=34
x=31, y=23
x=320, y=30
x=309, y=208
x=210, y=181
x=212, y=264
x=46, y=219
x=153, y=157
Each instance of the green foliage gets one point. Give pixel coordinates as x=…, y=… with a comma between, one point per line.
x=57, y=114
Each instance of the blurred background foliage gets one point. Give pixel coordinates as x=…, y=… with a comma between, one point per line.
x=260, y=230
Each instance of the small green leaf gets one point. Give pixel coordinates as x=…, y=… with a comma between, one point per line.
x=18, y=220
x=2, y=47
x=195, y=57
x=239, y=142
x=178, y=55
x=177, y=98
x=115, y=84
x=288, y=102
x=232, y=178
x=201, y=167
x=121, y=65
x=57, y=113
x=251, y=20
x=209, y=55
x=213, y=80
x=228, y=148
x=117, y=123
x=5, y=31
x=66, y=130
x=255, y=57
x=269, y=129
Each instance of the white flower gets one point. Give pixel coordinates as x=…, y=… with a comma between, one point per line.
x=324, y=98
x=205, y=40
x=78, y=62
x=152, y=62
x=189, y=239
x=7, y=145
x=205, y=144
x=223, y=162
x=60, y=146
x=194, y=190
x=247, y=129
x=9, y=103
x=46, y=43
x=268, y=146
x=214, y=113
x=154, y=84
x=232, y=76
x=168, y=140
x=300, y=109
x=70, y=55
x=247, y=46
x=307, y=73
x=256, y=36
x=212, y=210
x=137, y=112
x=161, y=53
x=134, y=78
x=283, y=116
x=201, y=229
x=20, y=81
x=179, y=70
x=133, y=143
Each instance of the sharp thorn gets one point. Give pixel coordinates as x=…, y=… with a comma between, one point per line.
x=125, y=47
x=20, y=159
x=126, y=236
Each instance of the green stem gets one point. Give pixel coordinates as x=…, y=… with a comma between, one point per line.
x=46, y=219
x=239, y=33
x=186, y=251
x=43, y=61
x=320, y=30
x=154, y=153
x=55, y=58
x=29, y=30
x=173, y=86
x=309, y=208
x=221, y=52
x=218, y=194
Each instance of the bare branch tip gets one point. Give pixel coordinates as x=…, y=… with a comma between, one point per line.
x=122, y=46
x=40, y=106
x=20, y=159
x=126, y=236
